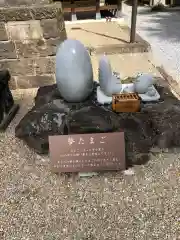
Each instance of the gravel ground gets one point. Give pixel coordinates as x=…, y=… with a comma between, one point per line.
x=161, y=30
x=37, y=204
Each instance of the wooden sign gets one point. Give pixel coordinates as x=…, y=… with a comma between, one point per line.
x=87, y=152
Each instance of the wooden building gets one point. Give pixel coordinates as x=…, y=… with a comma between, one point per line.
x=75, y=6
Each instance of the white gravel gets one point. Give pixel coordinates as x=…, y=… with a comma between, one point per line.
x=162, y=31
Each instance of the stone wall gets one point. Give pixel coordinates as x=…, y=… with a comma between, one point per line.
x=30, y=31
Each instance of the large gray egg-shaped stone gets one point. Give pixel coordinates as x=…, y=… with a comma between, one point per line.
x=74, y=74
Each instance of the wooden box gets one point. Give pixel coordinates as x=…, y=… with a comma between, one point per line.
x=126, y=102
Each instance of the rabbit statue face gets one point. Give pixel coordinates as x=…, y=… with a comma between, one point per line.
x=143, y=82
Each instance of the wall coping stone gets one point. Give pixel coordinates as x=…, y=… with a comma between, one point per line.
x=30, y=12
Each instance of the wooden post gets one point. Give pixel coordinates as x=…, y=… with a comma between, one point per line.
x=133, y=21
x=172, y=2
x=151, y=3
x=119, y=8
x=119, y=5
x=73, y=11
x=98, y=14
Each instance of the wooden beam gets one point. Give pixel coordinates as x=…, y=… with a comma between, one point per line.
x=86, y=3
x=133, y=21
x=87, y=9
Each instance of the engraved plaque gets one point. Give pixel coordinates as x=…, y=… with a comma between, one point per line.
x=87, y=152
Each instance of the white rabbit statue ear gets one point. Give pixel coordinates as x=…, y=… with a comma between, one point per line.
x=109, y=83
x=105, y=73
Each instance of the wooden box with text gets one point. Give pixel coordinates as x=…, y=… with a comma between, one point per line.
x=126, y=102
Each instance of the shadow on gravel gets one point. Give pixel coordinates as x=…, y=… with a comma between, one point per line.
x=164, y=25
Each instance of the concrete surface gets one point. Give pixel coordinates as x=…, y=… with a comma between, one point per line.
x=35, y=204
x=128, y=65
x=161, y=31
x=98, y=33
x=108, y=36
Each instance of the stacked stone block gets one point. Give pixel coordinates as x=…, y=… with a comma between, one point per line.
x=30, y=31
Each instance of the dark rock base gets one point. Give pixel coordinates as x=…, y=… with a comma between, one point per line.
x=158, y=124
x=7, y=107
x=9, y=117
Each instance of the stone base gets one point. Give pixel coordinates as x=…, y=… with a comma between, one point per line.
x=9, y=117
x=158, y=124
x=7, y=107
